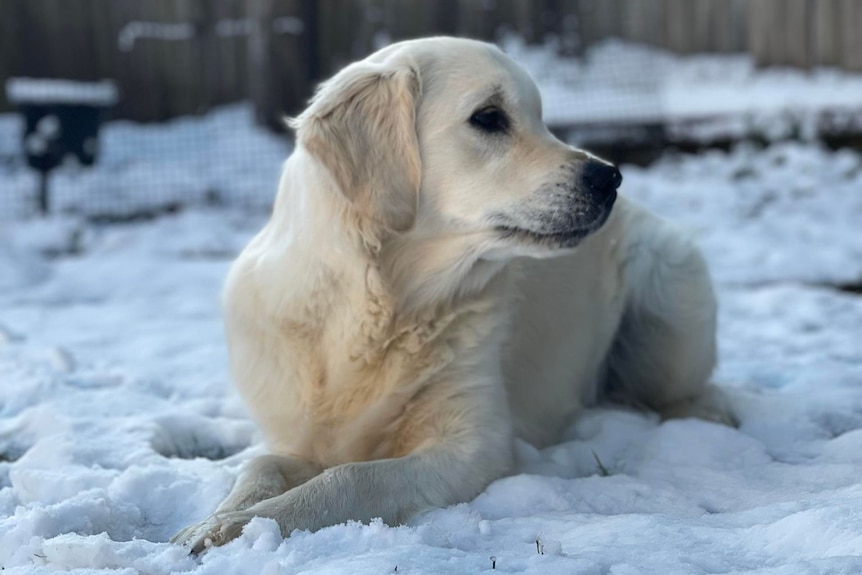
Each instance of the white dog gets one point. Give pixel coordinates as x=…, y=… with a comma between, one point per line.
x=440, y=275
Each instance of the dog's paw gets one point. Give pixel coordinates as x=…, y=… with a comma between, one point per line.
x=712, y=404
x=214, y=531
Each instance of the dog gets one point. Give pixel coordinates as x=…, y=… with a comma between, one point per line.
x=439, y=276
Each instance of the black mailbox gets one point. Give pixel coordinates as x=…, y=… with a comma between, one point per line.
x=61, y=118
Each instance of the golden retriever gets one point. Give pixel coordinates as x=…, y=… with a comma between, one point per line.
x=440, y=275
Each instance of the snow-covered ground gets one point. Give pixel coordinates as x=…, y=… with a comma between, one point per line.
x=118, y=424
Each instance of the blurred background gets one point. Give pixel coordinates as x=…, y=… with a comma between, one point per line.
x=121, y=109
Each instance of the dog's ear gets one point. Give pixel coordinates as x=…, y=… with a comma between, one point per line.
x=361, y=125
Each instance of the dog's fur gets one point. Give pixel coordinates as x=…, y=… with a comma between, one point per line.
x=427, y=290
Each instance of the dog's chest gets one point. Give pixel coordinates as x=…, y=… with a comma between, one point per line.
x=332, y=379
x=348, y=406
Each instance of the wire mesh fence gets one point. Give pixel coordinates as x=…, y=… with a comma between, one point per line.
x=220, y=158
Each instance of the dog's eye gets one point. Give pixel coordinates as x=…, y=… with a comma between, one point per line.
x=489, y=120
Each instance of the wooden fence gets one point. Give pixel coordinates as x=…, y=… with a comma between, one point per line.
x=176, y=57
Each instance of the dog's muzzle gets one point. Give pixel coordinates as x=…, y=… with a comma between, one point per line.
x=574, y=215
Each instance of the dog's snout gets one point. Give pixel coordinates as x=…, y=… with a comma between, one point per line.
x=601, y=179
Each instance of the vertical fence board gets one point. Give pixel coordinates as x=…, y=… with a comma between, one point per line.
x=701, y=28
x=644, y=22
x=681, y=25
x=515, y=18
x=260, y=66
x=826, y=45
x=759, y=19
x=596, y=25
x=738, y=33
x=10, y=24
x=719, y=24
x=140, y=86
x=797, y=33
x=851, y=34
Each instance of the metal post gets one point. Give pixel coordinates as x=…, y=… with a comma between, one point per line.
x=43, y=193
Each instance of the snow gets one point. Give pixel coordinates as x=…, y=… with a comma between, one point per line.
x=247, y=26
x=119, y=426
x=797, y=210
x=177, y=31
x=288, y=25
x=58, y=91
x=621, y=82
x=164, y=31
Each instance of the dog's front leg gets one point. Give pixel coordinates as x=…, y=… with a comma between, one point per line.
x=452, y=470
x=263, y=478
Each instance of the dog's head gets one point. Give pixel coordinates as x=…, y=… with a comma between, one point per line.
x=444, y=137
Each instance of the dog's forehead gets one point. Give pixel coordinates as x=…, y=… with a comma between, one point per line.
x=461, y=74
x=520, y=87
x=474, y=73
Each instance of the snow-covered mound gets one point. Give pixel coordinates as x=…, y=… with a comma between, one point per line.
x=52, y=91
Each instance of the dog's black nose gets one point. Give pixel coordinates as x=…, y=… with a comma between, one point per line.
x=601, y=179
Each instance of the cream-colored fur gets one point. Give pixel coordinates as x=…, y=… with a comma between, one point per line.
x=427, y=290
